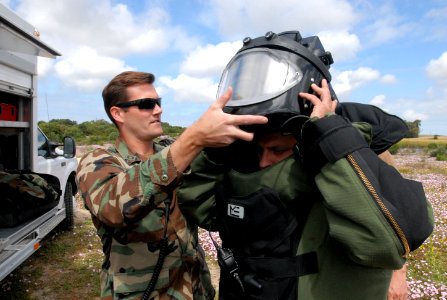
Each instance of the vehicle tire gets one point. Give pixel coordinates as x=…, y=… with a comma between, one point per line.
x=68, y=222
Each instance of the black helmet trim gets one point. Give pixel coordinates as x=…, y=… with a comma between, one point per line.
x=277, y=42
x=268, y=73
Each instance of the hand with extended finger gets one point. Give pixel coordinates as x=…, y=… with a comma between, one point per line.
x=216, y=128
x=323, y=104
x=213, y=129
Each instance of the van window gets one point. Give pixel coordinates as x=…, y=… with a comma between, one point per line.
x=42, y=145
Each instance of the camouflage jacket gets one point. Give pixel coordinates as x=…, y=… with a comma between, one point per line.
x=126, y=199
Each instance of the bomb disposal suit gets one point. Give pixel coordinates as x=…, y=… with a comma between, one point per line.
x=330, y=222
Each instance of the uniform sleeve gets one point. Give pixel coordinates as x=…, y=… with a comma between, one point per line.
x=196, y=193
x=373, y=212
x=119, y=194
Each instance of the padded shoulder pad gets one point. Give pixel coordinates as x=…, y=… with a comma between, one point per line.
x=387, y=129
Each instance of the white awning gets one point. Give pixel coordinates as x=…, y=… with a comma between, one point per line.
x=16, y=35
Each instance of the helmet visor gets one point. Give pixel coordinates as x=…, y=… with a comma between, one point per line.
x=258, y=75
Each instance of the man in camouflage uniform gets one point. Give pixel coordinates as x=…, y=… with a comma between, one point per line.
x=129, y=190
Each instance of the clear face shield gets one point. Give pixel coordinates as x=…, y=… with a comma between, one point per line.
x=258, y=75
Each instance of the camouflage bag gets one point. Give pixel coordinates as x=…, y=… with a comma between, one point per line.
x=25, y=195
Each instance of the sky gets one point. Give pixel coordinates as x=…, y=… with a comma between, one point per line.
x=389, y=53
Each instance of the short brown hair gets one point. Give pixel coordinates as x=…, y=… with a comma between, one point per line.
x=115, y=90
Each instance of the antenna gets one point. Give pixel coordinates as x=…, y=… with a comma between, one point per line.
x=48, y=114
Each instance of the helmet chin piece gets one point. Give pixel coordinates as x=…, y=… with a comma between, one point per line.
x=267, y=74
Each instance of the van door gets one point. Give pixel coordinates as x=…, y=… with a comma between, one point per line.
x=48, y=160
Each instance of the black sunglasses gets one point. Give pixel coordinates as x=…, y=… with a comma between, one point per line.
x=145, y=103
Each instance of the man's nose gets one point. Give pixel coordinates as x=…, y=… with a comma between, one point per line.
x=265, y=160
x=157, y=109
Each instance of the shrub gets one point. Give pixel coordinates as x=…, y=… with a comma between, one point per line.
x=394, y=148
x=440, y=154
x=432, y=146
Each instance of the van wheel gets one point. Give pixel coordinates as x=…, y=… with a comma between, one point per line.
x=68, y=222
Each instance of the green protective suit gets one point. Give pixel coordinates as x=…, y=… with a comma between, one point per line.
x=357, y=213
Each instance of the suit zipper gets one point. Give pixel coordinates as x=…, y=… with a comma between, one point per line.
x=379, y=202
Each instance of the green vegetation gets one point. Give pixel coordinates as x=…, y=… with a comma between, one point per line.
x=414, y=128
x=427, y=266
x=65, y=267
x=435, y=146
x=97, y=132
x=423, y=142
x=440, y=153
x=430, y=257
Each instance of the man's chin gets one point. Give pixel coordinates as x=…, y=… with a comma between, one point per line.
x=157, y=132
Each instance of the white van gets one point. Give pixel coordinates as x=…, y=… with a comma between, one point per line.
x=24, y=148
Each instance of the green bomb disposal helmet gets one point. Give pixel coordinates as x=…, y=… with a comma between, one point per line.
x=267, y=74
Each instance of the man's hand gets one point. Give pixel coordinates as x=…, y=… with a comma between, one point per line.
x=322, y=105
x=398, y=289
x=213, y=129
x=216, y=128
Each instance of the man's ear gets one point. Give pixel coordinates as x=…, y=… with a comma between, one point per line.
x=117, y=114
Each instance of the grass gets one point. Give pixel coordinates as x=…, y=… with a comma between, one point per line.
x=434, y=146
x=83, y=249
x=422, y=168
x=427, y=266
x=65, y=267
x=435, y=259
x=423, y=141
x=426, y=143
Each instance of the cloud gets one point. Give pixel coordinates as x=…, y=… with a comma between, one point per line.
x=6, y=3
x=209, y=60
x=438, y=13
x=44, y=66
x=100, y=38
x=87, y=70
x=110, y=29
x=378, y=100
x=342, y=44
x=412, y=115
x=192, y=89
x=437, y=70
x=344, y=82
x=76, y=27
x=256, y=17
x=433, y=24
x=431, y=110
x=388, y=79
x=384, y=24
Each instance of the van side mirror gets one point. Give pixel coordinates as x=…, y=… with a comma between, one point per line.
x=69, y=147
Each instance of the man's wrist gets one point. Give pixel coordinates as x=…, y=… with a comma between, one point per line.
x=315, y=118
